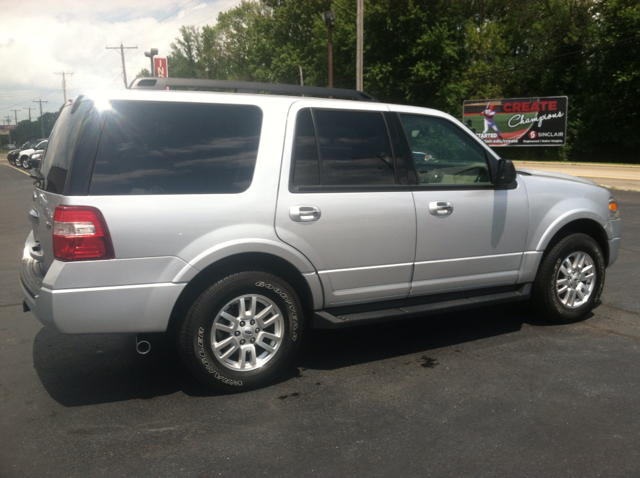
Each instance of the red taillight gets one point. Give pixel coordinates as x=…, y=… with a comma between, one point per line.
x=80, y=233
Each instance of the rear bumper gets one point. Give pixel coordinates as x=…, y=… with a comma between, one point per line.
x=88, y=310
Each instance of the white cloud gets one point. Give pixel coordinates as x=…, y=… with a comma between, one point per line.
x=41, y=37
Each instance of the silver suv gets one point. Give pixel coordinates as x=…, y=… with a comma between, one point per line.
x=236, y=221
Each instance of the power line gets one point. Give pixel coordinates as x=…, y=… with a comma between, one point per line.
x=159, y=23
x=124, y=68
x=195, y=24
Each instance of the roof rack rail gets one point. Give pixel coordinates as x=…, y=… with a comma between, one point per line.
x=249, y=87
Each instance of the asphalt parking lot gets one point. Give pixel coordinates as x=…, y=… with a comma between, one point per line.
x=490, y=392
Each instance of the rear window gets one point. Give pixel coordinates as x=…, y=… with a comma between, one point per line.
x=177, y=148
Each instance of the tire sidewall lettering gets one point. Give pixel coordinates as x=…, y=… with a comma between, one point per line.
x=205, y=361
x=196, y=346
x=287, y=301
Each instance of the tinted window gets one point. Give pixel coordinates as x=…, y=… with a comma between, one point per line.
x=177, y=148
x=61, y=146
x=354, y=148
x=306, y=170
x=443, y=153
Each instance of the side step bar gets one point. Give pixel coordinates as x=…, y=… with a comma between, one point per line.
x=324, y=319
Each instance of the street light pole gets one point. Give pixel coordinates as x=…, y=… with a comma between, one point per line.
x=151, y=53
x=329, y=18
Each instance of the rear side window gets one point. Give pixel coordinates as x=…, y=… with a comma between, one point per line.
x=61, y=146
x=342, y=148
x=177, y=148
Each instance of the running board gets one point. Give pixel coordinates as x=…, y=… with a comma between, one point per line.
x=324, y=319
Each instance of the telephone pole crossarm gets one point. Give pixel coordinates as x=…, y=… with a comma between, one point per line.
x=122, y=49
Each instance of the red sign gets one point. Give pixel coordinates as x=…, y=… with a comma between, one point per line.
x=7, y=126
x=160, y=65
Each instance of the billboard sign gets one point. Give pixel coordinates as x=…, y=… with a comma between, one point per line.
x=540, y=121
x=160, y=65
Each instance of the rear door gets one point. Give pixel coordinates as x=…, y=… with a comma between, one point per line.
x=344, y=201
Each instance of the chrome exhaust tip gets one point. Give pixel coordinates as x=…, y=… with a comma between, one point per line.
x=143, y=346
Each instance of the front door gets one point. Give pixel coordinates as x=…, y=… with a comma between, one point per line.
x=469, y=234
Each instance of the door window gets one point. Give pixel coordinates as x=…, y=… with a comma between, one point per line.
x=443, y=154
x=342, y=148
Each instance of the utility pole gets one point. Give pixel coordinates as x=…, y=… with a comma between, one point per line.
x=360, y=46
x=122, y=49
x=7, y=119
x=41, y=119
x=64, y=83
x=15, y=112
x=29, y=108
x=329, y=18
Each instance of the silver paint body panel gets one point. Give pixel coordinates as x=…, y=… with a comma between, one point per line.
x=361, y=247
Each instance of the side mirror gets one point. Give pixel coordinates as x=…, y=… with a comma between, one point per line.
x=506, y=172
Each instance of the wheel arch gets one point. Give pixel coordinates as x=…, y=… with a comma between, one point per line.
x=241, y=262
x=588, y=226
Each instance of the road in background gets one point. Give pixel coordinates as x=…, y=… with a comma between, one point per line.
x=488, y=392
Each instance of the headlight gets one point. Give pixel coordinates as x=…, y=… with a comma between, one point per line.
x=613, y=208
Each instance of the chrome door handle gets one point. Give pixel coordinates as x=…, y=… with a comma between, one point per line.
x=440, y=208
x=304, y=213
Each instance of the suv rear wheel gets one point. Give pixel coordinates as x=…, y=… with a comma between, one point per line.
x=570, y=279
x=242, y=331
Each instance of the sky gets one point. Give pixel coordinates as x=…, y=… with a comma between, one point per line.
x=39, y=38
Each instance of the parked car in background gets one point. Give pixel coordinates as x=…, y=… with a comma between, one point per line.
x=9, y=146
x=13, y=155
x=24, y=155
x=35, y=159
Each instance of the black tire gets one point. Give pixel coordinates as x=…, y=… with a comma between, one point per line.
x=570, y=279
x=270, y=347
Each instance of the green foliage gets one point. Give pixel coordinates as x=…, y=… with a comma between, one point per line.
x=144, y=73
x=27, y=130
x=437, y=53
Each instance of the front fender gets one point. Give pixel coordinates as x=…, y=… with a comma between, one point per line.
x=542, y=237
x=555, y=203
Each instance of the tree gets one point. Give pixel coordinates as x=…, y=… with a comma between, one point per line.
x=437, y=53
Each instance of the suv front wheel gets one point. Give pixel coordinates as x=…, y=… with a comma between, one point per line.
x=570, y=279
x=242, y=331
